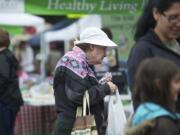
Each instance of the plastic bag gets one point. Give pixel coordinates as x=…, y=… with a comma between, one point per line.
x=116, y=116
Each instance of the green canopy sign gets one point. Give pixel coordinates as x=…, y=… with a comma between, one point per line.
x=60, y=7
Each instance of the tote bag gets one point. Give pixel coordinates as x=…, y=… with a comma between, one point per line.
x=84, y=124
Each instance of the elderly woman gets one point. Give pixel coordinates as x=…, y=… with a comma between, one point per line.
x=74, y=76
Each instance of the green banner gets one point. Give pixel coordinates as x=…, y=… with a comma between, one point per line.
x=61, y=7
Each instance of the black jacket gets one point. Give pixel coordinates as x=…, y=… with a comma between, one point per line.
x=9, y=85
x=69, y=89
x=146, y=47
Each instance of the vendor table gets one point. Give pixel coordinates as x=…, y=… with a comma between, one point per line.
x=38, y=115
x=35, y=120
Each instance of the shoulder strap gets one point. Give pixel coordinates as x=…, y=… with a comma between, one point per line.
x=81, y=110
x=86, y=103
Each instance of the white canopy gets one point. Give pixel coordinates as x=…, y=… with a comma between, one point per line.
x=74, y=29
x=22, y=19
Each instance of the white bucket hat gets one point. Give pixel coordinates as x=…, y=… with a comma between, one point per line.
x=95, y=36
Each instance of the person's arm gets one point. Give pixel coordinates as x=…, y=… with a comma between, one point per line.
x=3, y=82
x=4, y=73
x=75, y=86
x=138, y=53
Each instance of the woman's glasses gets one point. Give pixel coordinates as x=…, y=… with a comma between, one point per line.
x=173, y=19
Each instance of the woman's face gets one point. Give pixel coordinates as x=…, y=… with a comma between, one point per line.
x=96, y=54
x=168, y=22
x=175, y=87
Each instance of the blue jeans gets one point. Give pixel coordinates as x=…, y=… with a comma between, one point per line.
x=7, y=119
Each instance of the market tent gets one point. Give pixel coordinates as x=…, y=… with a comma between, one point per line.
x=22, y=19
x=72, y=31
x=35, y=40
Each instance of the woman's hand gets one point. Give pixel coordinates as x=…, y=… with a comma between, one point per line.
x=112, y=87
x=106, y=78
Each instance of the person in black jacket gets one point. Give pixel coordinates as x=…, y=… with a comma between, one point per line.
x=73, y=76
x=156, y=88
x=10, y=96
x=156, y=35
